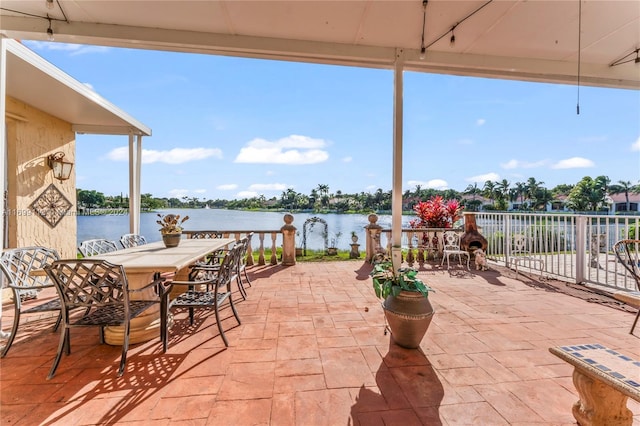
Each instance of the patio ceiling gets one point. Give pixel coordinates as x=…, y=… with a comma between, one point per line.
x=530, y=40
x=40, y=84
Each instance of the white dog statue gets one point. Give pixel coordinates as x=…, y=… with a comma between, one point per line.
x=481, y=260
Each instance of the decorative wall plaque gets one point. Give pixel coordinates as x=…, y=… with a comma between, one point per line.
x=51, y=205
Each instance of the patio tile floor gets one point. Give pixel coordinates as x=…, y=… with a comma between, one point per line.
x=311, y=351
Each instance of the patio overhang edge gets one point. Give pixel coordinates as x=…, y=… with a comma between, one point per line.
x=462, y=64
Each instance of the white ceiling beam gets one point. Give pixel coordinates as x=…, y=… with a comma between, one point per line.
x=94, y=129
x=527, y=69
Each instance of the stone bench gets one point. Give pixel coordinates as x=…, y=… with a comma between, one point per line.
x=604, y=380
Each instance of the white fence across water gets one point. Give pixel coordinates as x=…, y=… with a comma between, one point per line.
x=576, y=248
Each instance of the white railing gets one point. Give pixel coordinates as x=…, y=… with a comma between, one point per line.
x=570, y=247
x=573, y=247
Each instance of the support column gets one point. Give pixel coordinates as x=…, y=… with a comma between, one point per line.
x=581, y=248
x=396, y=192
x=3, y=135
x=135, y=161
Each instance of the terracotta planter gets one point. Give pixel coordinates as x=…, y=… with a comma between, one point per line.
x=408, y=316
x=171, y=240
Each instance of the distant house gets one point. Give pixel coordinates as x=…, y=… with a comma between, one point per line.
x=619, y=203
x=475, y=202
x=558, y=204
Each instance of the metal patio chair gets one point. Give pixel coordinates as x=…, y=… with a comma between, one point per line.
x=211, y=289
x=17, y=265
x=97, y=246
x=242, y=261
x=132, y=240
x=521, y=254
x=628, y=254
x=451, y=247
x=101, y=289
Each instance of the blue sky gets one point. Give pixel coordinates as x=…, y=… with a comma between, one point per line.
x=232, y=128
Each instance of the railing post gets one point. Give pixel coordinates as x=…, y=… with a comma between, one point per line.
x=288, y=241
x=506, y=248
x=581, y=248
x=373, y=231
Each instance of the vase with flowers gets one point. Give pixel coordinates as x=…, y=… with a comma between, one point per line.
x=171, y=228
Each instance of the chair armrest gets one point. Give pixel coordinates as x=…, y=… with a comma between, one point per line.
x=191, y=283
x=158, y=282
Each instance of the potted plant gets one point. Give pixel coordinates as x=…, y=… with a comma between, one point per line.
x=298, y=247
x=405, y=302
x=171, y=228
x=332, y=250
x=354, y=237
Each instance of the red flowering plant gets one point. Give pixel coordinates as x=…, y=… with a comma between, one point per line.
x=436, y=213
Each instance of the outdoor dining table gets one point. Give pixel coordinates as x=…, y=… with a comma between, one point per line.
x=140, y=264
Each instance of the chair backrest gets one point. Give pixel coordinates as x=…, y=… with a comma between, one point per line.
x=98, y=246
x=451, y=240
x=86, y=283
x=17, y=264
x=203, y=234
x=229, y=266
x=132, y=240
x=520, y=244
x=628, y=254
x=244, y=249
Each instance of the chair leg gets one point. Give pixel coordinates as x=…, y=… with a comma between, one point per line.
x=14, y=328
x=58, y=321
x=233, y=308
x=635, y=321
x=125, y=347
x=246, y=275
x=64, y=342
x=243, y=292
x=224, y=338
x=164, y=317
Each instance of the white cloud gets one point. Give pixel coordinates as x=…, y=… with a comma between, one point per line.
x=516, y=164
x=199, y=191
x=480, y=121
x=270, y=173
x=573, y=163
x=173, y=156
x=636, y=145
x=370, y=188
x=492, y=176
x=73, y=49
x=294, y=149
x=227, y=187
x=432, y=184
x=268, y=187
x=246, y=194
x=347, y=159
x=466, y=142
x=178, y=193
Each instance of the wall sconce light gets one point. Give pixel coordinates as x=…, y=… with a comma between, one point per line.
x=50, y=4
x=61, y=169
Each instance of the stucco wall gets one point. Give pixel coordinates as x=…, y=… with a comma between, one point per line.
x=32, y=136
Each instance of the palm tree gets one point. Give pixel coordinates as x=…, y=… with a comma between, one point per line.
x=623, y=187
x=489, y=190
x=473, y=190
x=520, y=188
